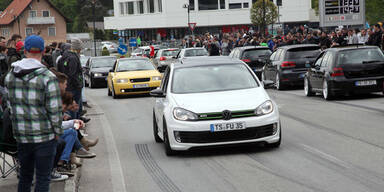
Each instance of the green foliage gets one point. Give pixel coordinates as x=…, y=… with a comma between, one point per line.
x=257, y=13
x=315, y=5
x=4, y=4
x=105, y=52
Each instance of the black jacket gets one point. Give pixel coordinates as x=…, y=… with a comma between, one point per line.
x=70, y=65
x=325, y=42
x=376, y=39
x=13, y=56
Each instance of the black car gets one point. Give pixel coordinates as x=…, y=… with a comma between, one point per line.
x=255, y=56
x=96, y=70
x=288, y=64
x=347, y=70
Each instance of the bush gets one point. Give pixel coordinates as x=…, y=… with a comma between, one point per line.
x=105, y=52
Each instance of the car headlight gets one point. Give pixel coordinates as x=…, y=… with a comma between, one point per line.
x=264, y=109
x=157, y=78
x=97, y=75
x=184, y=115
x=122, y=81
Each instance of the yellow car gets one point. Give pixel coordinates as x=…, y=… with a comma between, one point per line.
x=132, y=76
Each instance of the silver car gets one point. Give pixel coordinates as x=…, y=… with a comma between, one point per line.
x=164, y=57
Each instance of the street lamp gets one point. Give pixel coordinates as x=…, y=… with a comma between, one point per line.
x=187, y=6
x=94, y=24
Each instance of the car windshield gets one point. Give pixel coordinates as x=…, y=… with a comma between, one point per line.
x=134, y=65
x=359, y=56
x=255, y=54
x=303, y=52
x=195, y=52
x=212, y=78
x=103, y=62
x=170, y=53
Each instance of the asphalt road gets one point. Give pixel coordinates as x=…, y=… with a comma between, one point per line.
x=327, y=146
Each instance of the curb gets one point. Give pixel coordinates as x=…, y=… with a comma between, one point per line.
x=72, y=184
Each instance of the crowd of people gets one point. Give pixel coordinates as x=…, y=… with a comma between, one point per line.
x=42, y=87
x=223, y=43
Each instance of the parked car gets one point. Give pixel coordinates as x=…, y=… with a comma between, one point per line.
x=96, y=70
x=288, y=64
x=164, y=57
x=111, y=46
x=132, y=76
x=145, y=51
x=255, y=56
x=191, y=52
x=213, y=101
x=347, y=70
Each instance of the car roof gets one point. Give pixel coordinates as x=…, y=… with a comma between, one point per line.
x=351, y=47
x=134, y=58
x=169, y=49
x=101, y=57
x=193, y=48
x=298, y=46
x=252, y=47
x=203, y=61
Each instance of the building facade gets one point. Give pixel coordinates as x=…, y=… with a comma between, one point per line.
x=169, y=18
x=26, y=17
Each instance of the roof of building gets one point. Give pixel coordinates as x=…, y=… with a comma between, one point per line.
x=16, y=8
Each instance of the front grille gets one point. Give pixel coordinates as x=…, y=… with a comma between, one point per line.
x=225, y=136
x=138, y=89
x=138, y=80
x=219, y=115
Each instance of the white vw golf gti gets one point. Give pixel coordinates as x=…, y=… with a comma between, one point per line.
x=213, y=101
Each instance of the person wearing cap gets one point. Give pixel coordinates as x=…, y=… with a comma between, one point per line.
x=34, y=100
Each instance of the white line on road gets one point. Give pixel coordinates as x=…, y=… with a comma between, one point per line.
x=117, y=176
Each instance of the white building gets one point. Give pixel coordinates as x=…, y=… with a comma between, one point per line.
x=169, y=18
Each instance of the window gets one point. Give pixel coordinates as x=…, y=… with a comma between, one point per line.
x=222, y=4
x=245, y=5
x=129, y=8
x=4, y=32
x=51, y=31
x=160, y=4
x=151, y=6
x=121, y=8
x=46, y=14
x=191, y=4
x=140, y=7
x=208, y=5
x=28, y=31
x=33, y=13
x=235, y=6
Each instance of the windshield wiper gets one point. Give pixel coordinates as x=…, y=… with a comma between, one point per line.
x=374, y=61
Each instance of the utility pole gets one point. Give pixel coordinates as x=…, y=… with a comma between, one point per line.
x=94, y=25
x=264, y=15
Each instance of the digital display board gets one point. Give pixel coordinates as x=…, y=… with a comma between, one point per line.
x=341, y=12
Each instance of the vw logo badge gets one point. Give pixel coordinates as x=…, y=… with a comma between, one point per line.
x=227, y=115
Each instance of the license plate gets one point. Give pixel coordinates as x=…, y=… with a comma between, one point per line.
x=141, y=86
x=366, y=83
x=227, y=126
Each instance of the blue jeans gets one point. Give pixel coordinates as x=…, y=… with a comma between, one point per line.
x=70, y=138
x=37, y=156
x=77, y=98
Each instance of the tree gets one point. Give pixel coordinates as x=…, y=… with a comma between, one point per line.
x=263, y=12
x=4, y=4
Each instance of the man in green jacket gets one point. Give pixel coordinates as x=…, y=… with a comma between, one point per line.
x=34, y=98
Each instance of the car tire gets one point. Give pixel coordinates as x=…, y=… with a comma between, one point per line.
x=156, y=130
x=113, y=93
x=109, y=91
x=278, y=83
x=327, y=95
x=168, y=150
x=277, y=144
x=308, y=88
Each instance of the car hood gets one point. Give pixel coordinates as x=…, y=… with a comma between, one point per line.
x=101, y=69
x=137, y=74
x=211, y=102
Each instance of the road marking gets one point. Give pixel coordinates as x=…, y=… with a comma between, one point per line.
x=326, y=156
x=117, y=176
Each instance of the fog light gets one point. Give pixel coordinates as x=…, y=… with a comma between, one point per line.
x=177, y=136
x=122, y=90
x=275, y=128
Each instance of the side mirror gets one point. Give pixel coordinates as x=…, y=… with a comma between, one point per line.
x=157, y=93
x=111, y=70
x=268, y=84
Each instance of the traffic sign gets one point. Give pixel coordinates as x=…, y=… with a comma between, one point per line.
x=192, y=26
x=132, y=42
x=122, y=49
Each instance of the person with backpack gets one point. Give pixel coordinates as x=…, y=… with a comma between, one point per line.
x=36, y=122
